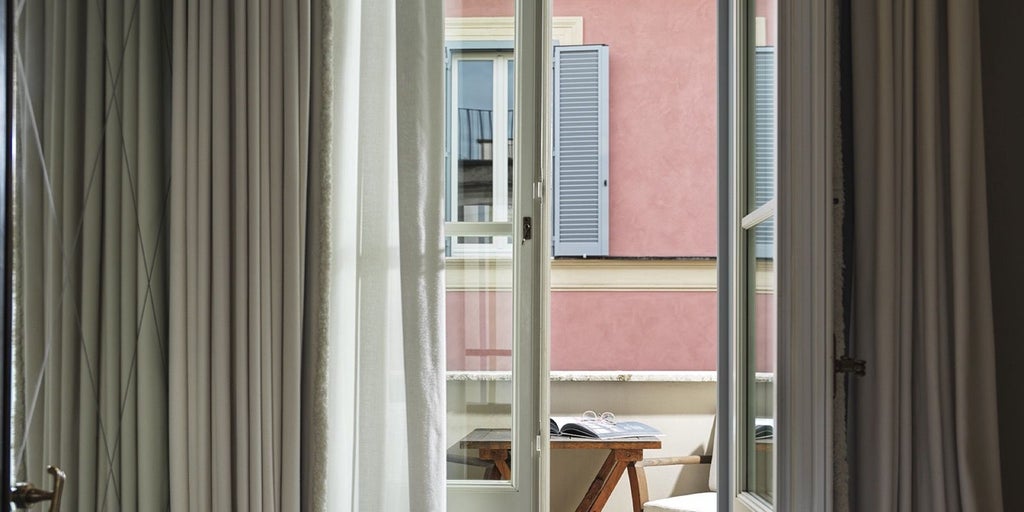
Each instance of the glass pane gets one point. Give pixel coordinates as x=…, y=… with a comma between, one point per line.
x=479, y=305
x=761, y=362
x=481, y=114
x=475, y=103
x=511, y=95
x=761, y=178
x=760, y=347
x=474, y=131
x=479, y=359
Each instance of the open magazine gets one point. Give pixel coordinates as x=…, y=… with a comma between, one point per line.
x=571, y=426
x=764, y=429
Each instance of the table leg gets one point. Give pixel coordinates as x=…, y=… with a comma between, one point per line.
x=637, y=485
x=501, y=469
x=609, y=475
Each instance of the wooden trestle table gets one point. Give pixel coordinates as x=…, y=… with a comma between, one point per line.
x=494, y=444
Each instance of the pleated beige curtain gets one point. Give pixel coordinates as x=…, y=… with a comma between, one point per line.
x=90, y=251
x=243, y=225
x=924, y=422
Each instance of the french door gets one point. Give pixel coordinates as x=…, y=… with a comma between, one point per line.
x=775, y=277
x=497, y=247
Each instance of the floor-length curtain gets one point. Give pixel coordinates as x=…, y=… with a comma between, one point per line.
x=924, y=433
x=90, y=251
x=246, y=185
x=385, y=399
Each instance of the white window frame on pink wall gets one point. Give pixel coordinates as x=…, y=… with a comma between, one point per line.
x=500, y=211
x=530, y=281
x=500, y=30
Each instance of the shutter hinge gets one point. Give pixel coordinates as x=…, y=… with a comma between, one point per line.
x=847, y=364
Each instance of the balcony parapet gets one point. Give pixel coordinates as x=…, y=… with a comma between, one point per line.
x=601, y=376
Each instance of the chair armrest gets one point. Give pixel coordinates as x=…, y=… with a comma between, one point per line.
x=675, y=461
x=469, y=461
x=638, y=477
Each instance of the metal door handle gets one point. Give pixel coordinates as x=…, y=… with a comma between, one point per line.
x=24, y=494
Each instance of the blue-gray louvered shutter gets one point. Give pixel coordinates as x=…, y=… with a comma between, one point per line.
x=581, y=151
x=764, y=143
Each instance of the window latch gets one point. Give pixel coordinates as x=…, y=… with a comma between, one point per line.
x=527, y=229
x=847, y=364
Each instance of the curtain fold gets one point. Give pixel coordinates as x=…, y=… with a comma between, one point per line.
x=924, y=433
x=230, y=259
x=386, y=396
x=91, y=253
x=421, y=185
x=244, y=195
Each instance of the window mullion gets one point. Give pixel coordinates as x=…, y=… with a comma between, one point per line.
x=499, y=147
x=499, y=135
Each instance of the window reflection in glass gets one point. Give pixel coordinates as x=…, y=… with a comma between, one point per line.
x=473, y=135
x=761, y=344
x=478, y=178
x=482, y=87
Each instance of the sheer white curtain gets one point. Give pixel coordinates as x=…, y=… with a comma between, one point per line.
x=923, y=432
x=385, y=406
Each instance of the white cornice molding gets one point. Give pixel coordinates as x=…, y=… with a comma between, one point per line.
x=681, y=376
x=587, y=275
x=569, y=275
x=634, y=275
x=567, y=30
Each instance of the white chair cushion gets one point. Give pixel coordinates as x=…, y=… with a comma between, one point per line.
x=699, y=502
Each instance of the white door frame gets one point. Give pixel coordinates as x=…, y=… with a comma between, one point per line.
x=532, y=138
x=804, y=380
x=807, y=33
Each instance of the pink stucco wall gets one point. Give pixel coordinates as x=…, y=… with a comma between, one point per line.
x=478, y=330
x=662, y=121
x=478, y=8
x=590, y=330
x=604, y=330
x=764, y=331
x=662, y=117
x=662, y=191
x=767, y=9
x=634, y=330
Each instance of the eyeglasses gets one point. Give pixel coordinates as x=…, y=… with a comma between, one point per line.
x=606, y=417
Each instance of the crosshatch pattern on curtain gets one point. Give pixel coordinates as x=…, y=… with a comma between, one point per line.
x=90, y=250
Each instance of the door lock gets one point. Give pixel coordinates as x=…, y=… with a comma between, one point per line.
x=24, y=494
